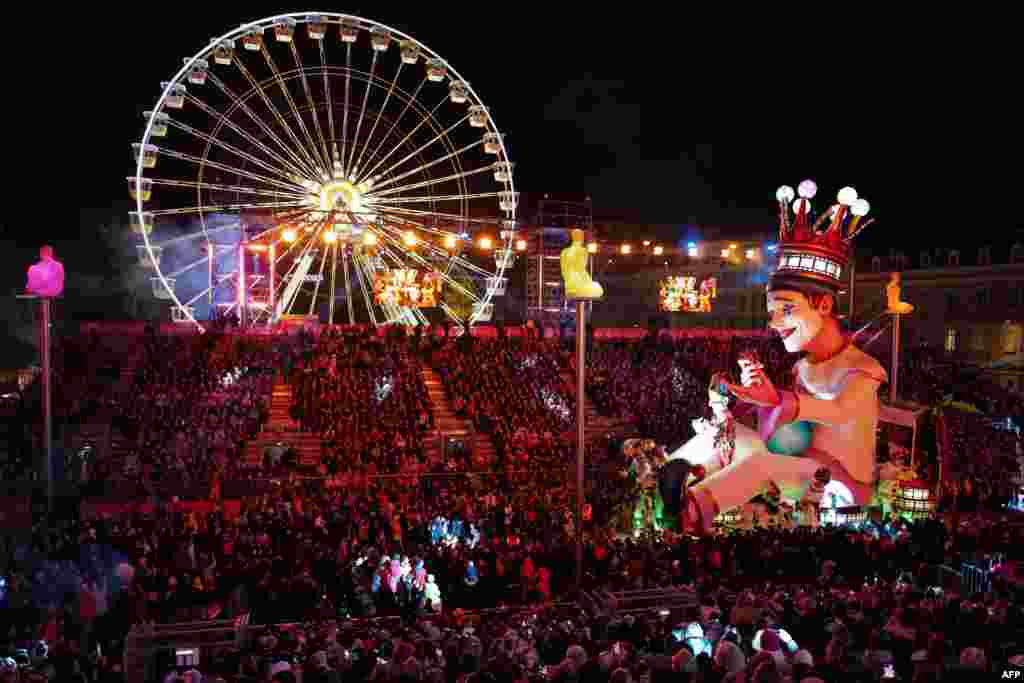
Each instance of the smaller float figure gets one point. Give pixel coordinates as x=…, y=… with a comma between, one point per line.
x=644, y=507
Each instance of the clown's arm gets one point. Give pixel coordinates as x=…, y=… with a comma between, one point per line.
x=776, y=408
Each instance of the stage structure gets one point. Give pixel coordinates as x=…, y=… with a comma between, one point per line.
x=296, y=161
x=554, y=223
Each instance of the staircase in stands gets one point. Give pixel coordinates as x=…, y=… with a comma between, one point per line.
x=598, y=426
x=280, y=427
x=448, y=424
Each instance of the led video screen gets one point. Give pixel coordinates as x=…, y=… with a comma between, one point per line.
x=409, y=288
x=682, y=294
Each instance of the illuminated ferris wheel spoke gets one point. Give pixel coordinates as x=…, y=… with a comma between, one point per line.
x=184, y=269
x=362, y=113
x=327, y=105
x=344, y=115
x=461, y=175
x=244, y=189
x=326, y=155
x=429, y=266
x=429, y=164
x=220, y=144
x=311, y=166
x=227, y=168
x=285, y=167
x=193, y=236
x=366, y=285
x=376, y=120
x=403, y=213
x=434, y=140
x=299, y=166
x=314, y=152
x=437, y=198
x=424, y=121
x=334, y=278
x=223, y=208
x=394, y=124
x=319, y=279
x=348, y=288
x=451, y=313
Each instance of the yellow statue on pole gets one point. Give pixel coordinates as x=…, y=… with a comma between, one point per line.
x=892, y=293
x=578, y=284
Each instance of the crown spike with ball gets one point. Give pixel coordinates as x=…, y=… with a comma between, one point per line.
x=820, y=251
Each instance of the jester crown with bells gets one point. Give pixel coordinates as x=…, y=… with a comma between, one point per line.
x=815, y=256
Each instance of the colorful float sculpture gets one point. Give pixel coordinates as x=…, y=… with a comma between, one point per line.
x=832, y=403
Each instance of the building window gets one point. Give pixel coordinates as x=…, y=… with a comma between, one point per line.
x=953, y=258
x=926, y=260
x=951, y=302
x=952, y=339
x=876, y=264
x=985, y=256
x=1017, y=253
x=983, y=296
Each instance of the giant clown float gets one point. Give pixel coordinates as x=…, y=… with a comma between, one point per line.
x=816, y=435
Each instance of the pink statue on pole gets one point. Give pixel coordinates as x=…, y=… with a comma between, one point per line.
x=835, y=385
x=46, y=277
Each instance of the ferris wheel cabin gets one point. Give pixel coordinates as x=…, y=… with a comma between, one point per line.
x=437, y=71
x=349, y=31
x=492, y=143
x=380, y=38
x=224, y=52
x=140, y=188
x=458, y=92
x=478, y=116
x=148, y=154
x=142, y=223
x=144, y=260
x=197, y=73
x=161, y=292
x=160, y=120
x=316, y=27
x=410, y=52
x=176, y=95
x=284, y=31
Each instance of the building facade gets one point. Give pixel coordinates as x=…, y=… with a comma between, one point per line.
x=970, y=304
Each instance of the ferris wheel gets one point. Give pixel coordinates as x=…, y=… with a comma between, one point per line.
x=323, y=165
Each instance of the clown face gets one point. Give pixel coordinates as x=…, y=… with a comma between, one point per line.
x=794, y=318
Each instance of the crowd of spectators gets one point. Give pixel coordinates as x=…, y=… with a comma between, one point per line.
x=366, y=542
x=189, y=409
x=844, y=603
x=366, y=397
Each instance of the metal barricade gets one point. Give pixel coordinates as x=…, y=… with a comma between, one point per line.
x=974, y=579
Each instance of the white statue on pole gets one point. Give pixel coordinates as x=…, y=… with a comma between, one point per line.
x=46, y=277
x=821, y=430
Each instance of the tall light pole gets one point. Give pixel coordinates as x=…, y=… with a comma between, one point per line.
x=46, y=282
x=581, y=288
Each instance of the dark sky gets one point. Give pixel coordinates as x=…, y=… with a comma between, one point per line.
x=660, y=117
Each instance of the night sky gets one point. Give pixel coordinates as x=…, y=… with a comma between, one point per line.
x=660, y=118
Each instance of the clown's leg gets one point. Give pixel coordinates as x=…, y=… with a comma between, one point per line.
x=830, y=469
x=745, y=478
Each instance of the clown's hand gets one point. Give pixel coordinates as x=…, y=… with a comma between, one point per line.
x=761, y=393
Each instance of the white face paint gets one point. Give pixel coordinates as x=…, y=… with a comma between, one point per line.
x=793, y=317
